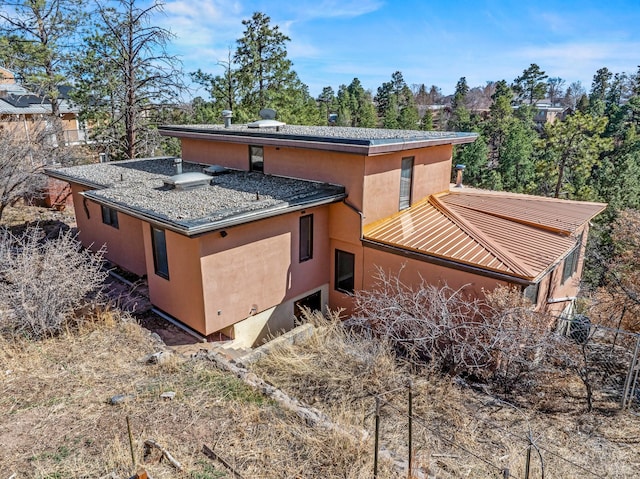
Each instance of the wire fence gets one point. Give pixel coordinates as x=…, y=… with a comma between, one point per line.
x=443, y=446
x=434, y=447
x=610, y=362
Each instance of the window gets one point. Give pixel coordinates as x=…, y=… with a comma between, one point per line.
x=344, y=274
x=159, y=244
x=109, y=216
x=571, y=261
x=531, y=292
x=406, y=176
x=256, y=158
x=306, y=237
x=313, y=302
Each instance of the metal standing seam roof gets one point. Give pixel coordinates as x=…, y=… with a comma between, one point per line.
x=516, y=235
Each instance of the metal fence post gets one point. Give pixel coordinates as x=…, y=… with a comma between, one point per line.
x=375, y=454
x=410, y=472
x=631, y=381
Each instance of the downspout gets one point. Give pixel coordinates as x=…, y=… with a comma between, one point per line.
x=353, y=208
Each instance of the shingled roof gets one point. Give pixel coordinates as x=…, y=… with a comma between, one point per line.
x=517, y=235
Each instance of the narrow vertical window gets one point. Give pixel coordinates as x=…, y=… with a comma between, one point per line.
x=306, y=237
x=571, y=261
x=406, y=177
x=531, y=292
x=109, y=216
x=256, y=158
x=159, y=244
x=345, y=271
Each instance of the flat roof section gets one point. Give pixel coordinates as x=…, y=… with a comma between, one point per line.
x=367, y=141
x=137, y=187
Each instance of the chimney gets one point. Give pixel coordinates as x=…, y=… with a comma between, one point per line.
x=226, y=115
x=459, y=170
x=178, y=164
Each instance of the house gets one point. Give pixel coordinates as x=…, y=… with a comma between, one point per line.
x=258, y=220
x=27, y=115
x=24, y=111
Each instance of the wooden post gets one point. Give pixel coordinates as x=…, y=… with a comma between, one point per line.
x=133, y=456
x=506, y=474
x=527, y=463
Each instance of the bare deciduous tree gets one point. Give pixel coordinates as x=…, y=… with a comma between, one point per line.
x=497, y=338
x=44, y=282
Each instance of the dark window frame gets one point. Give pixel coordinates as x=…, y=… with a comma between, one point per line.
x=532, y=293
x=406, y=182
x=160, y=256
x=255, y=165
x=110, y=216
x=305, y=250
x=571, y=261
x=344, y=280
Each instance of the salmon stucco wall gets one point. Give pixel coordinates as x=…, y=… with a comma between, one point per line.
x=431, y=173
x=181, y=294
x=230, y=155
x=256, y=266
x=124, y=245
x=412, y=271
x=556, y=289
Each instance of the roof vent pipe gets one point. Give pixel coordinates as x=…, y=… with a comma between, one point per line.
x=178, y=164
x=459, y=170
x=226, y=115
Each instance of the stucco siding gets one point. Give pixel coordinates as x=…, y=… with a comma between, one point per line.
x=124, y=245
x=256, y=266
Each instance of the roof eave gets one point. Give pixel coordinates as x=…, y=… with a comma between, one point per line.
x=449, y=263
x=344, y=145
x=196, y=230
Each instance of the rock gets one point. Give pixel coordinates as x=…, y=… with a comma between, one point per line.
x=120, y=398
x=160, y=357
x=168, y=395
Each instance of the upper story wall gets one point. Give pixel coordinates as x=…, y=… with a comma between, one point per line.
x=372, y=182
x=431, y=174
x=326, y=166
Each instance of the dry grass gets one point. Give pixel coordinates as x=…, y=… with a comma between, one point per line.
x=459, y=431
x=57, y=422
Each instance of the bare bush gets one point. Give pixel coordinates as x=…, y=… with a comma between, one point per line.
x=44, y=282
x=497, y=338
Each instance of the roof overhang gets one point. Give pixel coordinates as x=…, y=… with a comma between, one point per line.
x=197, y=230
x=343, y=145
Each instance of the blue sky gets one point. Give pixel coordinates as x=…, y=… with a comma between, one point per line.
x=430, y=42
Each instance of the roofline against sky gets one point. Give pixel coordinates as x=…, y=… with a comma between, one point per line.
x=344, y=145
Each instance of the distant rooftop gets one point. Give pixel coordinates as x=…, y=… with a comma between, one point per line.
x=336, y=138
x=137, y=187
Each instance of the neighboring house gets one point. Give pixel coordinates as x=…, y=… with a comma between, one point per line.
x=24, y=112
x=301, y=215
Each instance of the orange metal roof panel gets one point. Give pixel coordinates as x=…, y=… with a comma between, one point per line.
x=426, y=229
x=564, y=216
x=519, y=235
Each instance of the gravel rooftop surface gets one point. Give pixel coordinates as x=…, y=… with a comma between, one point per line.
x=138, y=185
x=370, y=136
